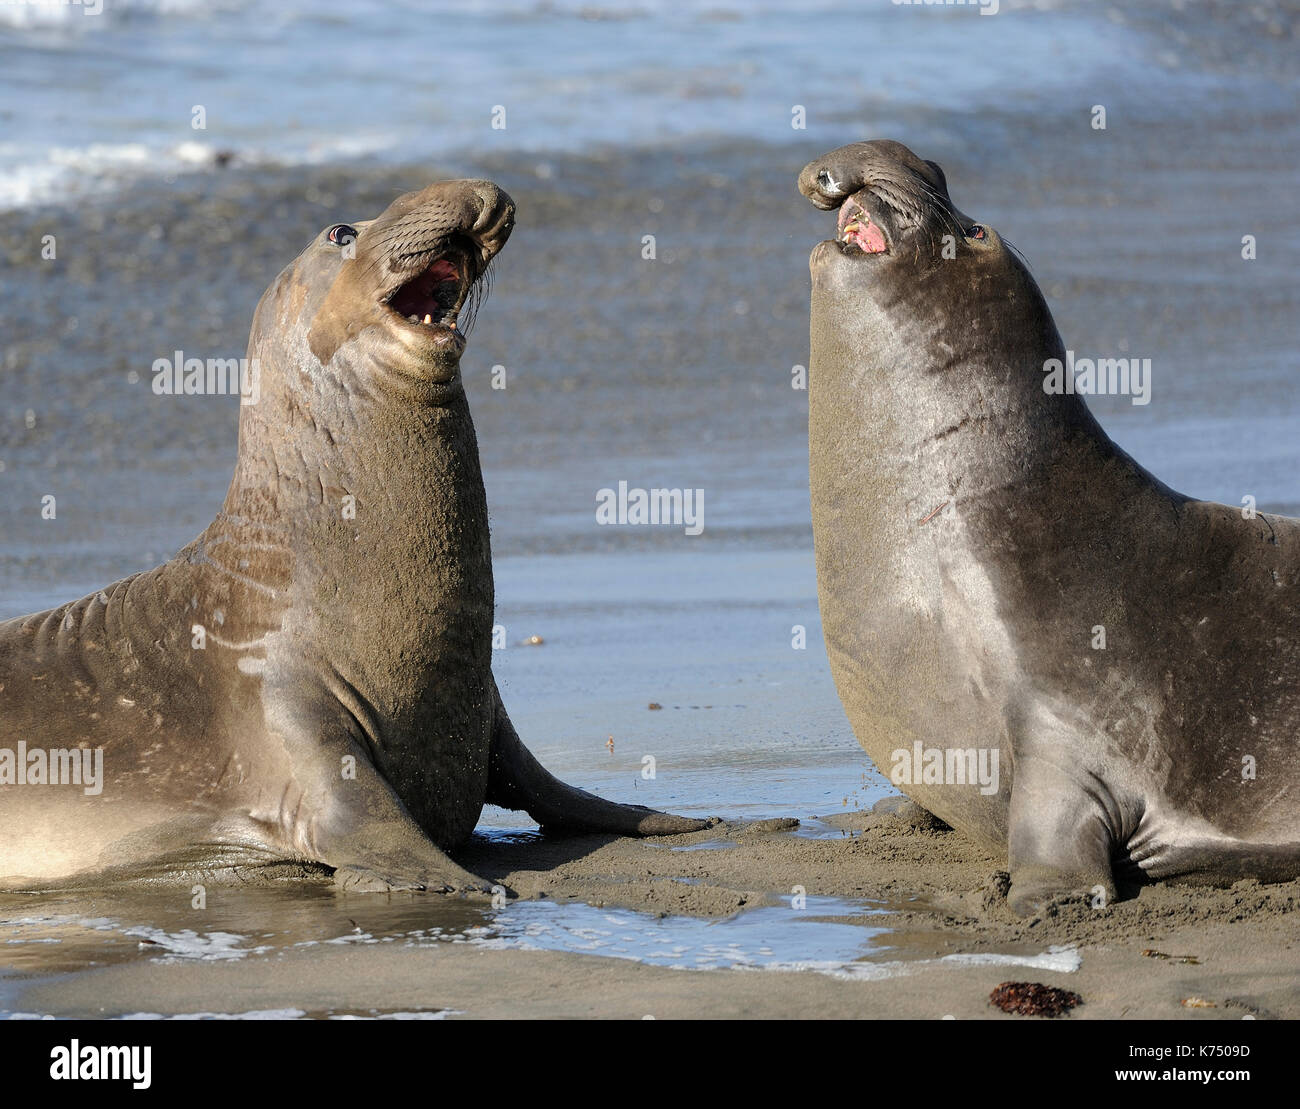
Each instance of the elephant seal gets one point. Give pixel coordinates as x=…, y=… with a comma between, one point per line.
x=309, y=681
x=1042, y=643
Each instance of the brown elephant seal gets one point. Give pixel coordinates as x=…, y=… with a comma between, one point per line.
x=1046, y=646
x=310, y=680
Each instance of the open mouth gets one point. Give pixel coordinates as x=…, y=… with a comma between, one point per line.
x=434, y=297
x=857, y=232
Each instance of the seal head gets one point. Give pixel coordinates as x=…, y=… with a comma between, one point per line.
x=401, y=281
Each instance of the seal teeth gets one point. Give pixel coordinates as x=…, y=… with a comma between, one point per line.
x=428, y=319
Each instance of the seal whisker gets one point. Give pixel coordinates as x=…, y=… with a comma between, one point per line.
x=475, y=296
x=1017, y=251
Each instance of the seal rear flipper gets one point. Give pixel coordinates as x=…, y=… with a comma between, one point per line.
x=516, y=780
x=1060, y=839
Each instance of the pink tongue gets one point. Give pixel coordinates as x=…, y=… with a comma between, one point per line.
x=870, y=238
x=442, y=270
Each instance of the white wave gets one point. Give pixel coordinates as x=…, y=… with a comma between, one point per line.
x=96, y=14
x=42, y=14
x=1059, y=960
x=61, y=174
x=64, y=173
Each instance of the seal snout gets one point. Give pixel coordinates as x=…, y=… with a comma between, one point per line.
x=887, y=197
x=496, y=218
x=439, y=243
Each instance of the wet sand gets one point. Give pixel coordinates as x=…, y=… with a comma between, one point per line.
x=949, y=940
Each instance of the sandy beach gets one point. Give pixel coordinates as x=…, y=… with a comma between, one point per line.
x=930, y=907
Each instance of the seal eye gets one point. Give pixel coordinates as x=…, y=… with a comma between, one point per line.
x=977, y=232
x=342, y=233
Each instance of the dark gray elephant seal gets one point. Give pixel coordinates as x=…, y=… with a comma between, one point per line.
x=342, y=709
x=972, y=532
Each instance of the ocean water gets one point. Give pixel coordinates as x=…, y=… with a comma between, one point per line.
x=98, y=95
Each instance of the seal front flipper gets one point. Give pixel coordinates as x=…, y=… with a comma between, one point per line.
x=516, y=780
x=357, y=824
x=1060, y=837
x=384, y=876
x=375, y=846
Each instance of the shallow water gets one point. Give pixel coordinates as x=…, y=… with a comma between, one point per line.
x=50, y=936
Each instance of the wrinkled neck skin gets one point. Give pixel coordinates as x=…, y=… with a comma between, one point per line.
x=365, y=390
x=924, y=385
x=927, y=335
